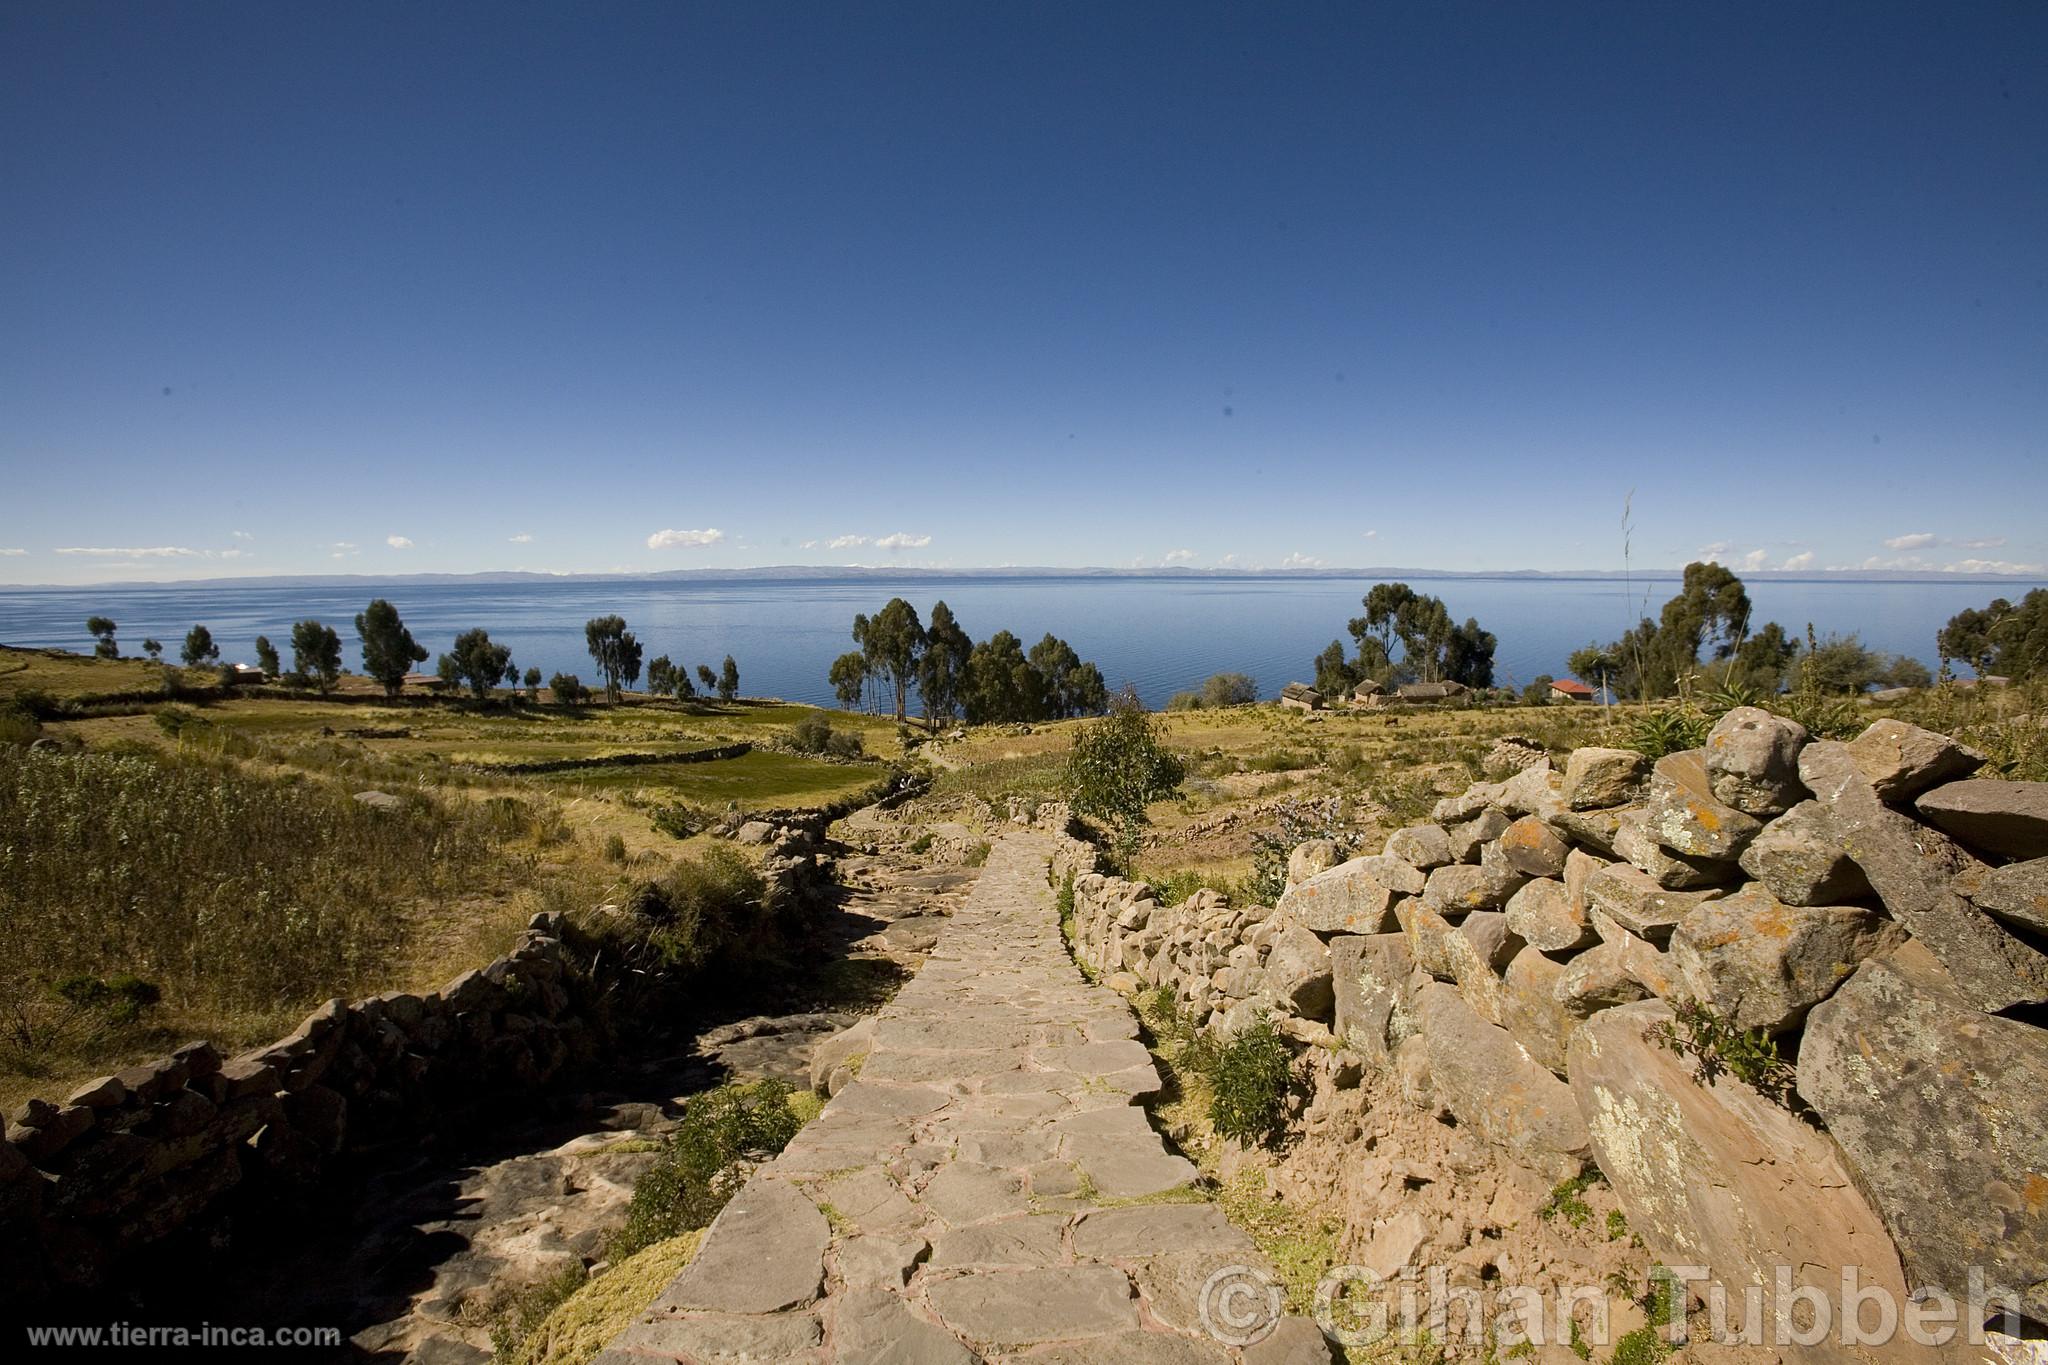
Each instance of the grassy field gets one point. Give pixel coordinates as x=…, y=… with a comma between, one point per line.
x=190, y=862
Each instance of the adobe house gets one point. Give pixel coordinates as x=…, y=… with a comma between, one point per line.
x=1301, y=697
x=1425, y=693
x=1369, y=693
x=1570, y=689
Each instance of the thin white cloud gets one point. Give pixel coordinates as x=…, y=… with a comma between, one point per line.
x=1918, y=540
x=523, y=538
x=1228, y=560
x=1756, y=559
x=12, y=554
x=903, y=540
x=671, y=539
x=1179, y=556
x=1993, y=566
x=1714, y=553
x=1985, y=543
x=1298, y=560
x=1802, y=560
x=1370, y=534
x=399, y=542
x=135, y=552
x=845, y=542
x=241, y=535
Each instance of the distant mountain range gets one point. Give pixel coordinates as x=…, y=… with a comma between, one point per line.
x=815, y=573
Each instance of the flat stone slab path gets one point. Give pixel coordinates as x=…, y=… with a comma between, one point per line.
x=987, y=1189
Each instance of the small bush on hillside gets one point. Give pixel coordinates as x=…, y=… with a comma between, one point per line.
x=977, y=856
x=812, y=733
x=695, y=1174
x=1250, y=1080
x=1120, y=765
x=18, y=725
x=568, y=689
x=1184, y=701
x=703, y=907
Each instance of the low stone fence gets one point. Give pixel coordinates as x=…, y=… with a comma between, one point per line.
x=1577, y=962
x=174, y=1146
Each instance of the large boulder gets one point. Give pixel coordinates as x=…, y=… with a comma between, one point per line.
x=2008, y=818
x=1900, y=761
x=1356, y=897
x=1683, y=814
x=1491, y=1083
x=1533, y=791
x=1595, y=778
x=1533, y=849
x=1545, y=914
x=1942, y=1113
x=1753, y=760
x=1916, y=872
x=1799, y=859
x=1718, y=1176
x=1594, y=829
x=1762, y=964
x=1634, y=900
x=1369, y=975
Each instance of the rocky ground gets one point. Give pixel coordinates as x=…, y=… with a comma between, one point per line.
x=422, y=1251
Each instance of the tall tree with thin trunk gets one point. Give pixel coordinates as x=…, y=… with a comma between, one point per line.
x=893, y=640
x=942, y=671
x=615, y=651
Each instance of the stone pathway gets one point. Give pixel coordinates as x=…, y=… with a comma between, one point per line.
x=987, y=1189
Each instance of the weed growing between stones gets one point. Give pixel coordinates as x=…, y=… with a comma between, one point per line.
x=1718, y=1047
x=575, y=1331
x=1565, y=1203
x=977, y=856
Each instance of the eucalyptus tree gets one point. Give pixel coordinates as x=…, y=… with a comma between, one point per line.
x=389, y=651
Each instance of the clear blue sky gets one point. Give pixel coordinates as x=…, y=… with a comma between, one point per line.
x=388, y=288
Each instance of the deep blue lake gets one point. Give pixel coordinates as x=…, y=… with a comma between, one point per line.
x=1159, y=634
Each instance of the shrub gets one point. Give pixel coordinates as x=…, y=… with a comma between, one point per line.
x=704, y=907
x=18, y=725
x=977, y=856
x=1230, y=689
x=1565, y=1201
x=1120, y=765
x=1669, y=730
x=1184, y=701
x=615, y=848
x=567, y=688
x=1717, y=1047
x=845, y=744
x=812, y=733
x=694, y=1176
x=1250, y=1080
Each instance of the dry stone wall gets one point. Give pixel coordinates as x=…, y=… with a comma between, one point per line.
x=178, y=1145
x=1521, y=960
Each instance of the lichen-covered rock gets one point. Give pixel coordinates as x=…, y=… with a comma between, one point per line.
x=1598, y=979
x=1477, y=949
x=1634, y=842
x=1533, y=791
x=1369, y=976
x=1683, y=814
x=1543, y=913
x=1420, y=846
x=1634, y=900
x=1355, y=897
x=1310, y=857
x=1762, y=964
x=1464, y=887
x=1916, y=872
x=1491, y=1083
x=1596, y=778
x=2016, y=893
x=2008, y=818
x=1717, y=1175
x=1456, y=809
x=1800, y=860
x=1531, y=1009
x=1900, y=761
x=1426, y=932
x=1752, y=760
x=1942, y=1113
x=1533, y=849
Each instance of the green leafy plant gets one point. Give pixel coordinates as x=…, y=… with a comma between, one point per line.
x=1717, y=1047
x=1120, y=765
x=1670, y=729
x=1250, y=1079
x=1565, y=1201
